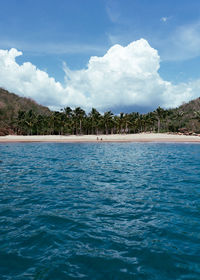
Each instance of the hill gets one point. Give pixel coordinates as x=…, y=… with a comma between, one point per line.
x=10, y=105
x=187, y=116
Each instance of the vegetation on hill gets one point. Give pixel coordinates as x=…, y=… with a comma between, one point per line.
x=10, y=105
x=189, y=115
x=24, y=116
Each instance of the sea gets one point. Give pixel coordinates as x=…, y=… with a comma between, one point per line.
x=99, y=211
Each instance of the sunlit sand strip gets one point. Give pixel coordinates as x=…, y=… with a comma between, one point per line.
x=141, y=137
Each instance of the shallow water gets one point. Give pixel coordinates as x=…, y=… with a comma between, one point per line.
x=99, y=211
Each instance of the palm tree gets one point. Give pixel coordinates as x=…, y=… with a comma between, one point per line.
x=20, y=121
x=39, y=124
x=127, y=122
x=121, y=122
x=117, y=124
x=78, y=115
x=68, y=112
x=68, y=125
x=133, y=121
x=177, y=117
x=46, y=128
x=30, y=121
x=139, y=123
x=94, y=117
x=108, y=121
x=159, y=114
x=150, y=119
x=57, y=122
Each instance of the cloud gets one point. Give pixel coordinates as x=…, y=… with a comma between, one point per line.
x=165, y=19
x=112, y=10
x=125, y=77
x=178, y=43
x=27, y=80
x=182, y=44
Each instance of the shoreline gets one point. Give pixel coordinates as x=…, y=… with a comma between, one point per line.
x=140, y=137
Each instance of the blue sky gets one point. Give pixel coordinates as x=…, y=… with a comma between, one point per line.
x=71, y=31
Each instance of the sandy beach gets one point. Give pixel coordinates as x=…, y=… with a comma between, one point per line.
x=141, y=137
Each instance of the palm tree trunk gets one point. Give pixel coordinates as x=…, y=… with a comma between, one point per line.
x=80, y=126
x=106, y=129
x=158, y=125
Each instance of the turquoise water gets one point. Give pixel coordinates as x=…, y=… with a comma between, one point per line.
x=99, y=211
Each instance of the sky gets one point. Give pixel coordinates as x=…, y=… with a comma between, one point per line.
x=119, y=55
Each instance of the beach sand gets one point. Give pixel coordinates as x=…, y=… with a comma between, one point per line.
x=140, y=137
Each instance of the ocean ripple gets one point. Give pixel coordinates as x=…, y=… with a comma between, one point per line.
x=95, y=211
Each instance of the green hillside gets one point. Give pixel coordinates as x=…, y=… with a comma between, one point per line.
x=187, y=116
x=10, y=105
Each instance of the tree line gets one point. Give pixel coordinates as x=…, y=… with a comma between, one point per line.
x=76, y=122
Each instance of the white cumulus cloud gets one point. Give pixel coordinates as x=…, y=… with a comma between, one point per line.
x=123, y=77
